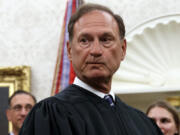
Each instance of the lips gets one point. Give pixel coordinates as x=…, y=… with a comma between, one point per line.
x=94, y=62
x=21, y=120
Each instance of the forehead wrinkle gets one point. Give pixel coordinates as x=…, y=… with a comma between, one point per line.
x=94, y=21
x=98, y=33
x=16, y=100
x=96, y=17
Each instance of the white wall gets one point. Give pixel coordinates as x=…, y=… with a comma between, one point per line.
x=30, y=32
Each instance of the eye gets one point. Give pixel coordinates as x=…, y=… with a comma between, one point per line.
x=28, y=107
x=84, y=41
x=165, y=120
x=107, y=40
x=17, y=107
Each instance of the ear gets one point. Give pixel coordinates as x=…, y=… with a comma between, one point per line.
x=124, y=47
x=8, y=114
x=69, y=50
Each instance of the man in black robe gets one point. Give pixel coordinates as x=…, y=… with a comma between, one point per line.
x=96, y=48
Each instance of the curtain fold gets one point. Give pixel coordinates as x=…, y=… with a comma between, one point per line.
x=64, y=73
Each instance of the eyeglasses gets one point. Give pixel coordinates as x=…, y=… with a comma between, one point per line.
x=18, y=108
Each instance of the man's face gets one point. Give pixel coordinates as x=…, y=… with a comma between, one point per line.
x=20, y=105
x=96, y=49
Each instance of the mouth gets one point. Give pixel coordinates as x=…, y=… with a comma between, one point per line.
x=21, y=120
x=94, y=63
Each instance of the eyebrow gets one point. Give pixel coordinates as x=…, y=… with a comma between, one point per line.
x=22, y=105
x=84, y=34
x=101, y=34
x=108, y=34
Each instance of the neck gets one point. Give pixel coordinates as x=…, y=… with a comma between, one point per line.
x=99, y=84
x=16, y=131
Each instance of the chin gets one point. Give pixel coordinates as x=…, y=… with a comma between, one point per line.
x=97, y=77
x=19, y=126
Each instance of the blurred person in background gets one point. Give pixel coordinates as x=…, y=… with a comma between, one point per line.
x=19, y=105
x=165, y=116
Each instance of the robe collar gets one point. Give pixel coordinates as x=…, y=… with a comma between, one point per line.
x=80, y=83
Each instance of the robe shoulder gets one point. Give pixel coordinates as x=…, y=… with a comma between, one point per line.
x=137, y=117
x=54, y=116
x=75, y=111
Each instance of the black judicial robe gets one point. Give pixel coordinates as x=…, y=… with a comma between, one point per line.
x=76, y=111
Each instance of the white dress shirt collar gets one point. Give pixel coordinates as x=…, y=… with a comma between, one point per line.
x=11, y=133
x=80, y=83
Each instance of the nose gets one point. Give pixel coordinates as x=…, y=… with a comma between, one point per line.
x=160, y=125
x=24, y=111
x=96, y=48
